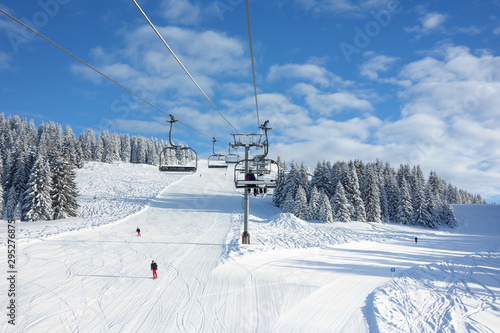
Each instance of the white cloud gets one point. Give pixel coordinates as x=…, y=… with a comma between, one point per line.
x=181, y=12
x=329, y=103
x=459, y=84
x=429, y=22
x=432, y=21
x=313, y=73
x=376, y=64
x=352, y=8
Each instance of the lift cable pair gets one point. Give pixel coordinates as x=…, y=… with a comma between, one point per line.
x=96, y=70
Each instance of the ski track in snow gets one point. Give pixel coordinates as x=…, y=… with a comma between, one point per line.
x=91, y=273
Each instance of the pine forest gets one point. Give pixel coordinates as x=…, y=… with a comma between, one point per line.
x=38, y=179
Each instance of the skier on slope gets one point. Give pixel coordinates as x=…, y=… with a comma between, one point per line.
x=138, y=232
x=154, y=267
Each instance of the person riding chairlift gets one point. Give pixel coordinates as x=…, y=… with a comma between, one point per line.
x=251, y=176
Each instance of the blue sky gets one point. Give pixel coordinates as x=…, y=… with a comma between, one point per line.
x=402, y=81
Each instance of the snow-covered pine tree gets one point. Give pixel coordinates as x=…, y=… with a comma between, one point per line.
x=125, y=148
x=16, y=181
x=353, y=193
x=340, y=205
x=314, y=204
x=294, y=179
x=37, y=202
x=437, y=187
x=112, y=145
x=384, y=204
x=71, y=149
x=50, y=136
x=288, y=204
x=372, y=197
x=321, y=177
x=405, y=208
x=301, y=208
x=64, y=190
x=152, y=157
x=87, y=144
x=12, y=205
x=449, y=216
x=451, y=195
x=433, y=209
x=280, y=194
x=420, y=200
x=99, y=148
x=325, y=208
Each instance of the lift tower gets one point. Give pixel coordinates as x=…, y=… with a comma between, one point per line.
x=266, y=170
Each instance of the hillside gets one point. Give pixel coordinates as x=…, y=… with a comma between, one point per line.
x=91, y=273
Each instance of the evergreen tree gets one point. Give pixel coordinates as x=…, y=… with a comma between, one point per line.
x=433, y=216
x=340, y=205
x=384, y=204
x=12, y=205
x=288, y=204
x=72, y=151
x=420, y=200
x=125, y=148
x=314, y=204
x=449, y=216
x=321, y=177
x=293, y=180
x=325, y=209
x=99, y=149
x=353, y=193
x=300, y=207
x=405, y=208
x=87, y=144
x=64, y=190
x=37, y=201
x=372, y=197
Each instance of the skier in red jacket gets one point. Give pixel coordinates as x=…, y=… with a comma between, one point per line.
x=154, y=267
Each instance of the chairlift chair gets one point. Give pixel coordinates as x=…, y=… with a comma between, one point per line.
x=232, y=158
x=266, y=172
x=216, y=160
x=176, y=158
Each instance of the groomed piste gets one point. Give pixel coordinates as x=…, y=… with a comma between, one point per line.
x=92, y=273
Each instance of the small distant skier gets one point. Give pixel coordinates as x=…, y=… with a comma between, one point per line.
x=138, y=232
x=154, y=267
x=416, y=240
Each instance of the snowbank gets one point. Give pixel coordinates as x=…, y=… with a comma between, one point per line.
x=107, y=193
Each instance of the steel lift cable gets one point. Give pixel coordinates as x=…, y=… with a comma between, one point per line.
x=180, y=63
x=96, y=70
x=253, y=63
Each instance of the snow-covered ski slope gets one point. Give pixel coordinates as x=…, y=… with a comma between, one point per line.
x=91, y=273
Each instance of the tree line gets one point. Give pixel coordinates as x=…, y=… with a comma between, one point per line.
x=37, y=164
x=374, y=192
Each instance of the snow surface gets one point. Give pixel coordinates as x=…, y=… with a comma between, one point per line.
x=91, y=273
